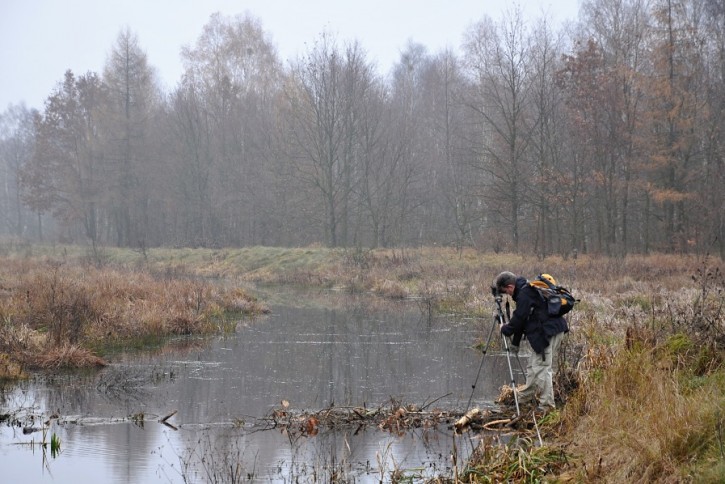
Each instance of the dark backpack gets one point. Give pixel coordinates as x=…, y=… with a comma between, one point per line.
x=559, y=299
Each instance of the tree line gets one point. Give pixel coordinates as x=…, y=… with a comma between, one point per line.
x=604, y=136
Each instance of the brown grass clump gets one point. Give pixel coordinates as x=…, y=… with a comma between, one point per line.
x=55, y=313
x=9, y=368
x=65, y=356
x=391, y=289
x=645, y=416
x=518, y=461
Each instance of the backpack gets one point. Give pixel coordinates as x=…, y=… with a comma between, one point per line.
x=559, y=299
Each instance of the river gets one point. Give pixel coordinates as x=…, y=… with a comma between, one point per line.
x=314, y=350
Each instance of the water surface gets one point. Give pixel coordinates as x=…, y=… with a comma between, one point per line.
x=315, y=350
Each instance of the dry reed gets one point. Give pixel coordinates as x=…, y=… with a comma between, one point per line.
x=53, y=313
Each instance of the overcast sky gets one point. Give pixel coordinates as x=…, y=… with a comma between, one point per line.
x=41, y=39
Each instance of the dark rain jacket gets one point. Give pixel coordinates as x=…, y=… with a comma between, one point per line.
x=532, y=318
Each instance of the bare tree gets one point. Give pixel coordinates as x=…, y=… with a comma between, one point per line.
x=326, y=96
x=232, y=77
x=190, y=180
x=132, y=98
x=447, y=125
x=712, y=201
x=498, y=58
x=16, y=145
x=386, y=171
x=65, y=172
x=555, y=191
x=414, y=152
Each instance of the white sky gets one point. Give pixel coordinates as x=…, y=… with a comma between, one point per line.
x=41, y=39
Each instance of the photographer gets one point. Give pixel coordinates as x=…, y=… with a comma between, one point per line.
x=543, y=332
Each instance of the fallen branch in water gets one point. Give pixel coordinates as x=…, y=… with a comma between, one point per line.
x=393, y=417
x=465, y=421
x=163, y=420
x=496, y=424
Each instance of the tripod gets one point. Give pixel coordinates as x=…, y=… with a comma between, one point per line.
x=498, y=320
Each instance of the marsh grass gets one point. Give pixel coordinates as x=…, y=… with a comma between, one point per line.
x=215, y=460
x=652, y=380
x=57, y=314
x=10, y=369
x=65, y=356
x=645, y=421
x=518, y=461
x=456, y=278
x=54, y=445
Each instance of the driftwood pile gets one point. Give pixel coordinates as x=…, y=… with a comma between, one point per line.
x=393, y=417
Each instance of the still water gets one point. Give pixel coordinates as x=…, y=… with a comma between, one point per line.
x=315, y=350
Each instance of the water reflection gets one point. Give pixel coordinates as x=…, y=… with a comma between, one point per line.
x=332, y=350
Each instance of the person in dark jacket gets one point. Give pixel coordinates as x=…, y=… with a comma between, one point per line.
x=543, y=332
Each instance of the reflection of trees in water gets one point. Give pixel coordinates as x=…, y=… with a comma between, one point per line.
x=357, y=356
x=116, y=386
x=19, y=405
x=112, y=395
x=45, y=395
x=127, y=384
x=315, y=298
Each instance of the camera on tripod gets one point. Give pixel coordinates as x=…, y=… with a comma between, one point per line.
x=496, y=293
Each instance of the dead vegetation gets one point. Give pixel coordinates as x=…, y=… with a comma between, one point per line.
x=522, y=459
x=66, y=356
x=396, y=418
x=55, y=314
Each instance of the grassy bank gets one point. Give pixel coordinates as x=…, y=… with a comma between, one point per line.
x=641, y=379
x=62, y=313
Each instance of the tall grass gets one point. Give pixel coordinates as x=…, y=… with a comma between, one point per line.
x=652, y=415
x=54, y=313
x=649, y=406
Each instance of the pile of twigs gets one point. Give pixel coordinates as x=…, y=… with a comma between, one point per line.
x=393, y=417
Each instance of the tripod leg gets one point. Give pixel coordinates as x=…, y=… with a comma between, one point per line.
x=511, y=373
x=485, y=349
